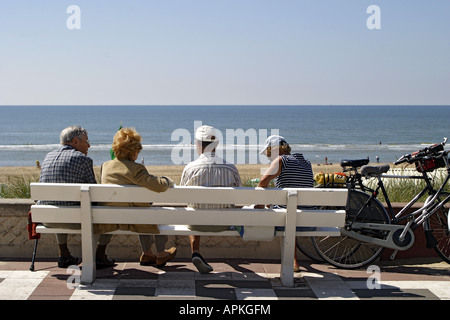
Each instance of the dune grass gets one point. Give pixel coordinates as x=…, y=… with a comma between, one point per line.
x=399, y=190
x=17, y=187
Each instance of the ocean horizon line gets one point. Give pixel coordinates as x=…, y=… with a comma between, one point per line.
x=224, y=105
x=221, y=145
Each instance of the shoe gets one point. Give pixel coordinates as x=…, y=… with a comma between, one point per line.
x=146, y=260
x=202, y=266
x=170, y=254
x=104, y=262
x=68, y=261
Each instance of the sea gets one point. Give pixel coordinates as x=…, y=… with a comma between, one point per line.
x=322, y=133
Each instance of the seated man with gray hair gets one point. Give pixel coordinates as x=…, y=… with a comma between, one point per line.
x=70, y=164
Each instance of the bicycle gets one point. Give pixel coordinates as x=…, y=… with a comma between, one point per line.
x=370, y=227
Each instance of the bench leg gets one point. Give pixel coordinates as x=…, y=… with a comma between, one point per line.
x=89, y=266
x=288, y=247
x=287, y=262
x=88, y=242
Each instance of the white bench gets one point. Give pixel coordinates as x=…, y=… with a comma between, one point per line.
x=172, y=219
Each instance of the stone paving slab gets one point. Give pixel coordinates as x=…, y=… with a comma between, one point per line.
x=233, y=279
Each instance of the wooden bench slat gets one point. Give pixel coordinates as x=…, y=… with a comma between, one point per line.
x=182, y=230
x=322, y=197
x=116, y=193
x=55, y=214
x=323, y=218
x=184, y=216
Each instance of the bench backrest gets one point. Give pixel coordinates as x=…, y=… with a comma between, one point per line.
x=97, y=193
x=182, y=195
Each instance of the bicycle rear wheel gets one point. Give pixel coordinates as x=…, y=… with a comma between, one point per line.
x=306, y=246
x=349, y=253
x=438, y=225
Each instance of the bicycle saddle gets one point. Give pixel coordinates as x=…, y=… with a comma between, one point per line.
x=354, y=163
x=374, y=170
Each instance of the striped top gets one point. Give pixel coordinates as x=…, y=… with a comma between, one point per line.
x=210, y=171
x=296, y=172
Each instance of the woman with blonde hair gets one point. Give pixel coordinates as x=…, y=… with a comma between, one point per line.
x=124, y=170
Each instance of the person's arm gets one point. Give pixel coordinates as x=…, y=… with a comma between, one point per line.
x=144, y=179
x=271, y=173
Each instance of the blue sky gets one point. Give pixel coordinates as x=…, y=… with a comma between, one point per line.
x=157, y=52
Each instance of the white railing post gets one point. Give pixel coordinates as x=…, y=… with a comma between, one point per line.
x=288, y=247
x=87, y=238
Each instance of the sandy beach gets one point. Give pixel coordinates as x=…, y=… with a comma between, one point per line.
x=247, y=171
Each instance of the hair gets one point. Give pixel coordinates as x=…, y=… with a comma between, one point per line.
x=126, y=143
x=70, y=133
x=283, y=149
x=208, y=146
x=212, y=144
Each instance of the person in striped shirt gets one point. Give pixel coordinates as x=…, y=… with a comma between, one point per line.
x=288, y=170
x=208, y=171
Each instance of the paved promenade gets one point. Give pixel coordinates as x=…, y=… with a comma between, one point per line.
x=233, y=279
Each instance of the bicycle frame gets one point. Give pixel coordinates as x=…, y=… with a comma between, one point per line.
x=422, y=213
x=371, y=226
x=414, y=219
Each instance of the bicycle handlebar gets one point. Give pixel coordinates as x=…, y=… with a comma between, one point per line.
x=432, y=152
x=402, y=159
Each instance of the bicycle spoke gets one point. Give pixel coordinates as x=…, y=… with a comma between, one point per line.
x=438, y=224
x=306, y=246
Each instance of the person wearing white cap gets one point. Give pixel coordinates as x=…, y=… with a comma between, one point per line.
x=289, y=171
x=209, y=171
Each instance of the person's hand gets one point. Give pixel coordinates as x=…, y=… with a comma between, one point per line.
x=170, y=182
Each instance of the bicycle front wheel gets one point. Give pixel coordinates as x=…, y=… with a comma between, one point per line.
x=347, y=252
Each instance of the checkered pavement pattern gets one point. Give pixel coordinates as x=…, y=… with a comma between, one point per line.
x=231, y=280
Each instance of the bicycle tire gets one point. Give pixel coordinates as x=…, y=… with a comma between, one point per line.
x=306, y=246
x=346, y=252
x=438, y=225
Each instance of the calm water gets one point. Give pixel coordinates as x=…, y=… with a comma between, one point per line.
x=335, y=132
